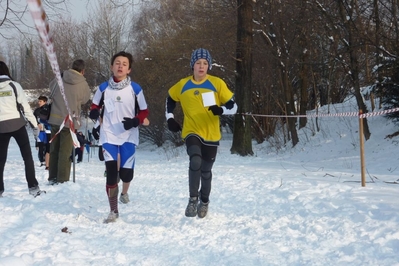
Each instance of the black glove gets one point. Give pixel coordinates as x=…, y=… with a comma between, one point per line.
x=229, y=105
x=96, y=133
x=173, y=125
x=216, y=110
x=94, y=114
x=128, y=122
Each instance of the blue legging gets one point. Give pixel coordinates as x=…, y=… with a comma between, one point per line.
x=127, y=153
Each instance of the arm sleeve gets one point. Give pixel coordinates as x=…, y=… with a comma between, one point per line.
x=94, y=106
x=226, y=96
x=21, y=98
x=53, y=87
x=230, y=104
x=170, y=106
x=96, y=102
x=143, y=108
x=230, y=108
x=142, y=115
x=36, y=113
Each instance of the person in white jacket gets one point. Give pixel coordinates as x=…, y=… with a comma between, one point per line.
x=15, y=113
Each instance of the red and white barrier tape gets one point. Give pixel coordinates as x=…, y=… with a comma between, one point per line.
x=332, y=115
x=42, y=27
x=379, y=113
x=72, y=129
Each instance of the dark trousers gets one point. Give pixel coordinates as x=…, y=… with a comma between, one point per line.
x=202, y=158
x=60, y=152
x=22, y=139
x=41, y=152
x=47, y=146
x=79, y=153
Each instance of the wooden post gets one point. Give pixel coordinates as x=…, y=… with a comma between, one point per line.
x=73, y=163
x=361, y=139
x=372, y=101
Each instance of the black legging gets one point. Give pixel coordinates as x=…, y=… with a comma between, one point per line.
x=22, y=139
x=41, y=152
x=202, y=158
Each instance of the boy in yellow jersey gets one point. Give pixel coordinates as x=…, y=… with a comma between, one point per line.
x=203, y=99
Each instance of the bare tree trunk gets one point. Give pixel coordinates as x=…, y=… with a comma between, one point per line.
x=242, y=137
x=290, y=107
x=377, y=39
x=354, y=63
x=395, y=4
x=304, y=71
x=304, y=97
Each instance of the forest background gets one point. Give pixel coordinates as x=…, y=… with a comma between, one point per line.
x=281, y=58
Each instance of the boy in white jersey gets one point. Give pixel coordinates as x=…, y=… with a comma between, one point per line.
x=124, y=109
x=201, y=97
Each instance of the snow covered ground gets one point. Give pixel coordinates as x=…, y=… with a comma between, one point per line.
x=287, y=206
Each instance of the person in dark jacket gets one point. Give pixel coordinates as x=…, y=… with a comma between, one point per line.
x=76, y=93
x=12, y=124
x=79, y=150
x=43, y=141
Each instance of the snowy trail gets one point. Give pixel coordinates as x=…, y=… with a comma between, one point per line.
x=265, y=210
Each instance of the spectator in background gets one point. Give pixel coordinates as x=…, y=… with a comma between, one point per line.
x=79, y=150
x=12, y=124
x=43, y=141
x=77, y=93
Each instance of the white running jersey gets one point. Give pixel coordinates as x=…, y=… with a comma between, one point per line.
x=117, y=105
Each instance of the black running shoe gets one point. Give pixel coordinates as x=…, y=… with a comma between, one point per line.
x=191, y=210
x=202, y=209
x=35, y=191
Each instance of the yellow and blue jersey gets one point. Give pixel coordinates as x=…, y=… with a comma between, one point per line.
x=198, y=119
